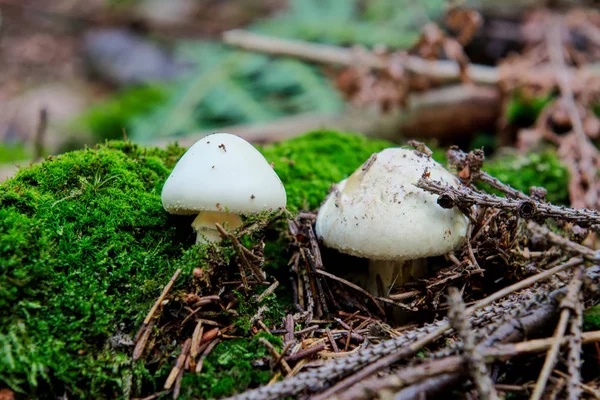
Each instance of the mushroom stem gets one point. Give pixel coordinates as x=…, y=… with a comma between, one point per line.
x=204, y=225
x=384, y=274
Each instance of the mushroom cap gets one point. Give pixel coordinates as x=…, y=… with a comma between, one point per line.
x=379, y=213
x=222, y=172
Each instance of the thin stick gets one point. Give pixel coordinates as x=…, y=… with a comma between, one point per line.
x=477, y=367
x=588, y=389
x=209, y=347
x=587, y=167
x=143, y=333
x=353, y=286
x=301, y=355
x=196, y=339
x=161, y=297
x=574, y=357
x=440, y=70
x=567, y=305
x=528, y=209
x=140, y=345
x=40, y=134
x=179, y=364
x=563, y=242
x=267, y=292
x=332, y=341
x=276, y=355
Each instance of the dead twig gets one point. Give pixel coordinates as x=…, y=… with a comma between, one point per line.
x=464, y=197
x=210, y=346
x=179, y=364
x=142, y=334
x=586, y=165
x=301, y=355
x=563, y=242
x=477, y=367
x=353, y=286
x=451, y=365
x=574, y=357
x=440, y=70
x=568, y=304
x=269, y=291
x=276, y=356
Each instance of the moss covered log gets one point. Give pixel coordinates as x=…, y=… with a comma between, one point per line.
x=86, y=247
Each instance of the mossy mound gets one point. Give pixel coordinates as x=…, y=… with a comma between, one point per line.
x=86, y=247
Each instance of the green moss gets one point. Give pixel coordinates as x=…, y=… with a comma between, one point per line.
x=591, y=318
x=534, y=169
x=109, y=119
x=13, y=152
x=310, y=164
x=84, y=247
x=524, y=110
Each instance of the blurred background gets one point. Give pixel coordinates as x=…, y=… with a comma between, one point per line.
x=473, y=73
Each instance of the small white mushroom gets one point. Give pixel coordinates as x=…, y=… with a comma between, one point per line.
x=378, y=213
x=221, y=177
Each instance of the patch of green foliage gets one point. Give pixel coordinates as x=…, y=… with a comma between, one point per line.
x=229, y=368
x=232, y=87
x=591, y=318
x=108, y=120
x=394, y=23
x=524, y=110
x=310, y=164
x=533, y=169
x=13, y=152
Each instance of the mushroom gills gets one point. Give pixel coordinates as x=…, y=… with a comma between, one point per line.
x=385, y=274
x=205, y=225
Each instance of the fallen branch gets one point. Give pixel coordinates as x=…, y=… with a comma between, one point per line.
x=455, y=366
x=464, y=197
x=440, y=70
x=563, y=242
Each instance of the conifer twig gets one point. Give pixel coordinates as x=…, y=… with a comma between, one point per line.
x=465, y=197
x=451, y=365
x=568, y=304
x=574, y=356
x=477, y=367
x=563, y=242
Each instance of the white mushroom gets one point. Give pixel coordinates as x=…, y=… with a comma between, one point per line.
x=378, y=213
x=220, y=178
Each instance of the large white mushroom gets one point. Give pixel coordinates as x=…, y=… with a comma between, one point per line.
x=378, y=213
x=221, y=177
